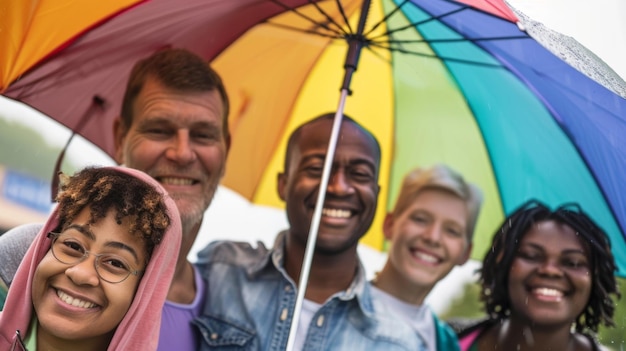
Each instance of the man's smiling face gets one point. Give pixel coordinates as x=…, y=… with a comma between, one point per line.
x=352, y=191
x=177, y=138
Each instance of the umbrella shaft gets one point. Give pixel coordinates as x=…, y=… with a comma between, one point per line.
x=355, y=45
x=315, y=221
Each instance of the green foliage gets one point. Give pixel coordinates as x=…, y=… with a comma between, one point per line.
x=466, y=305
x=615, y=337
x=25, y=150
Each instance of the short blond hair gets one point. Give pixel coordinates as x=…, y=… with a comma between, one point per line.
x=443, y=178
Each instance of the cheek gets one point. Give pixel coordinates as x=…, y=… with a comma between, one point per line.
x=401, y=232
x=138, y=151
x=516, y=273
x=514, y=287
x=372, y=192
x=212, y=157
x=302, y=187
x=584, y=281
x=399, y=256
x=457, y=248
x=47, y=268
x=121, y=297
x=402, y=238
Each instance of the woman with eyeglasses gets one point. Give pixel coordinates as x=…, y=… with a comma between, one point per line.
x=546, y=283
x=97, y=275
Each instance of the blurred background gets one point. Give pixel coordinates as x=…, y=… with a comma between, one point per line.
x=30, y=144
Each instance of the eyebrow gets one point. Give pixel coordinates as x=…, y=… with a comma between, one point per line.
x=566, y=251
x=113, y=244
x=363, y=161
x=159, y=118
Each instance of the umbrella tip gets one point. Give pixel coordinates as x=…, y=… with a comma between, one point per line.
x=521, y=26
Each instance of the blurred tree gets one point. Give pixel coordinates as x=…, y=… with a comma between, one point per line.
x=615, y=338
x=25, y=150
x=466, y=305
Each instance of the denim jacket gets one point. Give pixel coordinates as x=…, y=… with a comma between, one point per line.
x=251, y=300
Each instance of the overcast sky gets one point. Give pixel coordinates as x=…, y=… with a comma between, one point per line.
x=600, y=25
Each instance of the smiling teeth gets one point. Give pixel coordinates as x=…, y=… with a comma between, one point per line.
x=335, y=213
x=548, y=292
x=426, y=257
x=74, y=301
x=176, y=181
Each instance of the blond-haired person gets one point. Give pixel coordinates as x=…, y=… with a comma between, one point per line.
x=430, y=231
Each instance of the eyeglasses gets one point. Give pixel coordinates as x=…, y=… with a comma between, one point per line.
x=110, y=267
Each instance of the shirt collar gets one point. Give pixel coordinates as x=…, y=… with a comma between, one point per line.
x=274, y=261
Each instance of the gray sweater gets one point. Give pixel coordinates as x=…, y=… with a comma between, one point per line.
x=13, y=247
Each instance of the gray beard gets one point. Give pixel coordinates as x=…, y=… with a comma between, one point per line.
x=192, y=217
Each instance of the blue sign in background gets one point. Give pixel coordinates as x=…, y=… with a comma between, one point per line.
x=27, y=191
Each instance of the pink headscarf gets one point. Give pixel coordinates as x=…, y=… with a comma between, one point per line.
x=139, y=330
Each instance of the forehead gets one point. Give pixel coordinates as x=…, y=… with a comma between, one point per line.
x=554, y=236
x=353, y=141
x=440, y=201
x=157, y=100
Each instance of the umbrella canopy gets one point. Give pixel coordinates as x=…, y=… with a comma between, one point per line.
x=69, y=76
x=460, y=86
x=31, y=32
x=455, y=82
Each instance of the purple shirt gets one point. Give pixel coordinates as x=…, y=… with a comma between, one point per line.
x=177, y=332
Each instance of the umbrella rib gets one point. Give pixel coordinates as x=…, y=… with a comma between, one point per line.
x=345, y=17
x=442, y=58
x=429, y=41
x=307, y=31
x=375, y=53
x=415, y=24
x=311, y=20
x=330, y=19
x=384, y=19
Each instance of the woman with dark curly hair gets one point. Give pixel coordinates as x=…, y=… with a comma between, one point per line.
x=98, y=272
x=547, y=283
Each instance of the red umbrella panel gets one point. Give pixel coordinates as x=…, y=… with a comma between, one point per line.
x=102, y=57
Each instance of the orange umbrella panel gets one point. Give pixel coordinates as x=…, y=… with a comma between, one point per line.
x=35, y=30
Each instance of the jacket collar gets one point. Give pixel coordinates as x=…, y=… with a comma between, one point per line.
x=274, y=261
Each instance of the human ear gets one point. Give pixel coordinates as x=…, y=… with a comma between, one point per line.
x=388, y=226
x=119, y=133
x=280, y=185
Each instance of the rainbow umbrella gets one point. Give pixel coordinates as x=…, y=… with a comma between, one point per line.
x=438, y=81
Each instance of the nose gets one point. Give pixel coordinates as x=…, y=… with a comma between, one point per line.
x=339, y=183
x=84, y=272
x=432, y=234
x=550, y=267
x=181, y=150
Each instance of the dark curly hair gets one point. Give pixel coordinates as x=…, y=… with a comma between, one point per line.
x=103, y=189
x=498, y=260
